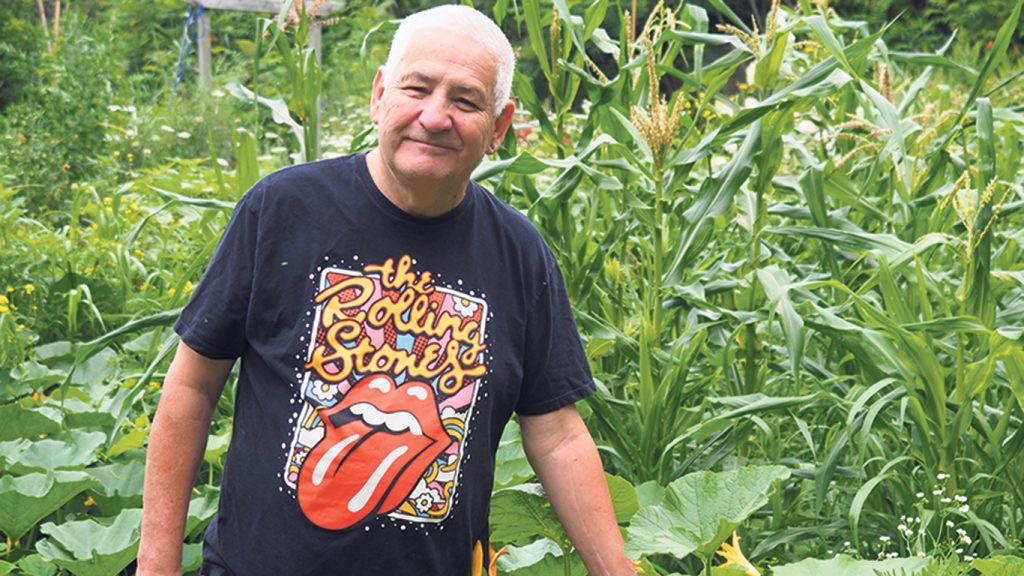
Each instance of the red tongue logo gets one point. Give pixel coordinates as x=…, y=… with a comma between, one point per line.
x=378, y=441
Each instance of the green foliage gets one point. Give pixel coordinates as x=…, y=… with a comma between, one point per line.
x=797, y=248
x=700, y=510
x=846, y=566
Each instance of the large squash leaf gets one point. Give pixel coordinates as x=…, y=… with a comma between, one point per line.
x=77, y=449
x=999, y=566
x=700, y=510
x=92, y=547
x=843, y=565
x=17, y=421
x=25, y=500
x=523, y=512
x=119, y=486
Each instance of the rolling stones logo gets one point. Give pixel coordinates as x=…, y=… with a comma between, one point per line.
x=389, y=383
x=379, y=441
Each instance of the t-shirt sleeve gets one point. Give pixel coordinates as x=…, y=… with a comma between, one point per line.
x=555, y=369
x=213, y=322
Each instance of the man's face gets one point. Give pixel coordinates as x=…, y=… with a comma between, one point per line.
x=435, y=116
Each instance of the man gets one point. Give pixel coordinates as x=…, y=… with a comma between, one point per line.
x=390, y=315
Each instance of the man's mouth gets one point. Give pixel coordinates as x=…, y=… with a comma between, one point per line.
x=378, y=442
x=432, y=144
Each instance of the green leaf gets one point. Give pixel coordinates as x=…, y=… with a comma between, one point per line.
x=18, y=422
x=92, y=547
x=523, y=512
x=539, y=558
x=78, y=450
x=34, y=565
x=201, y=510
x=623, y=498
x=25, y=500
x=512, y=467
x=847, y=566
x=701, y=510
x=999, y=566
x=119, y=486
x=777, y=284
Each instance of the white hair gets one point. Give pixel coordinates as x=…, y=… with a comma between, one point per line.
x=467, y=21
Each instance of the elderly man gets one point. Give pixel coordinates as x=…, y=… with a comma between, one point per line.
x=390, y=315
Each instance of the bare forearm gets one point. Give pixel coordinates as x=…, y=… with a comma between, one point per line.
x=175, y=450
x=570, y=471
x=176, y=445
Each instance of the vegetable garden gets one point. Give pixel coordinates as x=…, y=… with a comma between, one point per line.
x=793, y=251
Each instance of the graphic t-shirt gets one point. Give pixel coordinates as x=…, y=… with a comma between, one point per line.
x=382, y=355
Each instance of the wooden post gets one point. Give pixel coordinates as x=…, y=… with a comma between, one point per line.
x=203, y=35
x=315, y=41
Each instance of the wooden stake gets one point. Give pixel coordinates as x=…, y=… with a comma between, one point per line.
x=56, y=29
x=42, y=17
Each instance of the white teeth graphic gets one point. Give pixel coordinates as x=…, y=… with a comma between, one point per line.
x=394, y=421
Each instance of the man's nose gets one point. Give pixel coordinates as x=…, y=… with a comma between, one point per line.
x=434, y=116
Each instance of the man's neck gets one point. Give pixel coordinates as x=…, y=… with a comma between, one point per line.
x=422, y=199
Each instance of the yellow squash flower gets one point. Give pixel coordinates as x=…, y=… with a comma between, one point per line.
x=734, y=556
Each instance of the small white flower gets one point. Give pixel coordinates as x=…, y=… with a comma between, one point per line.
x=968, y=557
x=884, y=538
x=166, y=128
x=942, y=476
x=901, y=527
x=949, y=523
x=959, y=550
x=945, y=500
x=964, y=509
x=936, y=492
x=960, y=499
x=323, y=391
x=184, y=135
x=921, y=554
x=919, y=495
x=465, y=306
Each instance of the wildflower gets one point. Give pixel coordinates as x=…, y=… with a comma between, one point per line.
x=919, y=495
x=5, y=305
x=734, y=556
x=949, y=523
x=884, y=538
x=89, y=501
x=187, y=288
x=942, y=476
x=29, y=288
x=964, y=509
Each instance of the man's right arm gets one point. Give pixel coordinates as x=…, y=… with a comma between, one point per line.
x=176, y=443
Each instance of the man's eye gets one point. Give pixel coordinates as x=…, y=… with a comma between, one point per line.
x=465, y=103
x=417, y=89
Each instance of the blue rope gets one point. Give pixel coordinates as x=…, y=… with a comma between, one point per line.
x=190, y=34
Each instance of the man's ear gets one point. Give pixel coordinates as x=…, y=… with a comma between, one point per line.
x=502, y=124
x=376, y=93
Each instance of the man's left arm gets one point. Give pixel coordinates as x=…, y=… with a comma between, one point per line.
x=564, y=455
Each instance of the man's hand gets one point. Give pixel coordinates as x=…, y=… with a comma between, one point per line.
x=565, y=458
x=190, y=392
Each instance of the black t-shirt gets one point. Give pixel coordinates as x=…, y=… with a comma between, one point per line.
x=382, y=355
